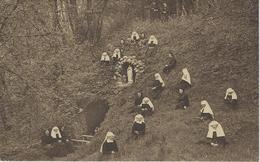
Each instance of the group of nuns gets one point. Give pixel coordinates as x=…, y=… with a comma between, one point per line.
x=142, y=41
x=109, y=145
x=58, y=140
x=135, y=39
x=144, y=106
x=117, y=54
x=215, y=130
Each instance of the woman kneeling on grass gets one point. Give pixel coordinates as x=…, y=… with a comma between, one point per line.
x=152, y=42
x=146, y=107
x=55, y=134
x=60, y=145
x=116, y=55
x=171, y=63
x=105, y=59
x=158, y=86
x=185, y=79
x=109, y=145
x=216, y=134
x=183, y=100
x=135, y=37
x=206, y=111
x=231, y=97
x=138, y=127
x=138, y=98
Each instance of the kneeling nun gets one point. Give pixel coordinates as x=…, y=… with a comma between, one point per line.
x=109, y=145
x=183, y=100
x=216, y=134
x=231, y=97
x=138, y=127
x=206, y=111
x=185, y=79
x=146, y=107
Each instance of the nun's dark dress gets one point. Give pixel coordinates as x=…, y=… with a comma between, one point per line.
x=172, y=63
x=158, y=88
x=231, y=102
x=108, y=147
x=183, y=100
x=140, y=128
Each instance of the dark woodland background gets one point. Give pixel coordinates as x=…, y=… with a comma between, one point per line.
x=49, y=68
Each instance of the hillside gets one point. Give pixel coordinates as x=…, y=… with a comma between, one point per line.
x=217, y=50
x=220, y=51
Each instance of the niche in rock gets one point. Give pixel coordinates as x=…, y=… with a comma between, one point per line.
x=95, y=114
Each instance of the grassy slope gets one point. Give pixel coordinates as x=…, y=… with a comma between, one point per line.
x=220, y=51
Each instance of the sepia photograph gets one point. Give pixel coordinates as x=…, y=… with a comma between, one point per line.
x=129, y=80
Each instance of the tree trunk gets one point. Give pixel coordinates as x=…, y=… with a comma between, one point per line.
x=90, y=31
x=100, y=22
x=55, y=16
x=73, y=17
x=188, y=6
x=179, y=7
x=172, y=7
x=143, y=9
x=63, y=19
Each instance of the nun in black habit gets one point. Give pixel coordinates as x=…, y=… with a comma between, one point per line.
x=59, y=148
x=146, y=107
x=138, y=100
x=158, y=86
x=171, y=64
x=231, y=98
x=46, y=138
x=138, y=127
x=183, y=100
x=109, y=145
